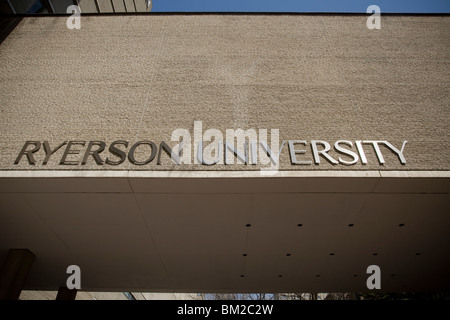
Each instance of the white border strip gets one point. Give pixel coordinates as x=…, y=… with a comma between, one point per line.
x=221, y=174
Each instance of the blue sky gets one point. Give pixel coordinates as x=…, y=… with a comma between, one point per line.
x=392, y=6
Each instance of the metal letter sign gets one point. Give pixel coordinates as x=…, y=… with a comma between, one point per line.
x=301, y=152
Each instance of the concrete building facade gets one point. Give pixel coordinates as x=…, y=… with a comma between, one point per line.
x=352, y=123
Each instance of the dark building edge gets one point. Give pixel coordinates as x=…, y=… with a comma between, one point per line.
x=7, y=24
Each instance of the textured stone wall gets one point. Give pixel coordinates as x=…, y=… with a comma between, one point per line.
x=313, y=77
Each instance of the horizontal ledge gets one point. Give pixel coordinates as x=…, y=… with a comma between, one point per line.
x=233, y=13
x=221, y=174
